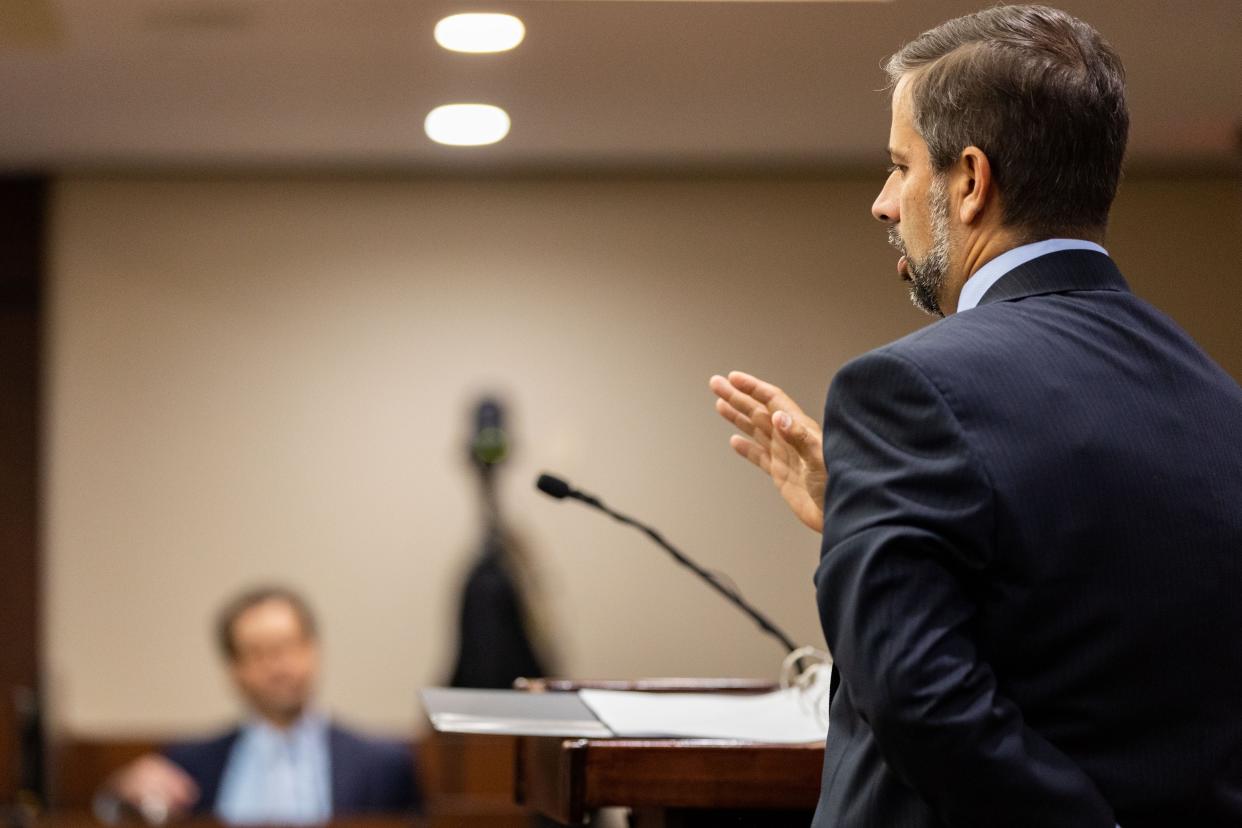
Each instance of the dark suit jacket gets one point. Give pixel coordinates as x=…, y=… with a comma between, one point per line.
x=1031, y=577
x=368, y=775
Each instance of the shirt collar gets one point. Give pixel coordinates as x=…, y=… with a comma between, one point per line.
x=307, y=727
x=991, y=273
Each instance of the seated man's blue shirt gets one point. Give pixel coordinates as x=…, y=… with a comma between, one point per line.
x=278, y=776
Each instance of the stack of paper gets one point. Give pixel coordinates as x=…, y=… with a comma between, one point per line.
x=785, y=716
x=782, y=717
x=511, y=712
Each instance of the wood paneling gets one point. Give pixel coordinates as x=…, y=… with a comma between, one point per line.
x=466, y=782
x=80, y=766
x=569, y=778
x=21, y=266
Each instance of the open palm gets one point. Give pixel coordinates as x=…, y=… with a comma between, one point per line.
x=779, y=438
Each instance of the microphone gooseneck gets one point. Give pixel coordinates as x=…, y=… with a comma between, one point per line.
x=560, y=489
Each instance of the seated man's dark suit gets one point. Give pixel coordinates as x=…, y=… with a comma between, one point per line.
x=1031, y=577
x=368, y=775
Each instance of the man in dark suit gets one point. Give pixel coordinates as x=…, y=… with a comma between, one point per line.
x=287, y=764
x=1032, y=544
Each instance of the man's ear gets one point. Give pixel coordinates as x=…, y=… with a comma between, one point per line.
x=976, y=186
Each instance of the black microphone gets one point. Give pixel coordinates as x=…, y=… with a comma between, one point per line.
x=560, y=489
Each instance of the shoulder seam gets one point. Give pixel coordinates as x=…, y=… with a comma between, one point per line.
x=975, y=459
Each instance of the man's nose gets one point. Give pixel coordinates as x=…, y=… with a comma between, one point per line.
x=885, y=207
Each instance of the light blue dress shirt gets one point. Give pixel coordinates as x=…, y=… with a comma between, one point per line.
x=278, y=777
x=991, y=273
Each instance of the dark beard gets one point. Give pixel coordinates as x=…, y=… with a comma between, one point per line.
x=926, y=283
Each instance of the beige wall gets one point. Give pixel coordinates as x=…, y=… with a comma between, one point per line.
x=270, y=378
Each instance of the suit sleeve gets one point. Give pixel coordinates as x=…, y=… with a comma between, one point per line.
x=396, y=787
x=204, y=762
x=908, y=538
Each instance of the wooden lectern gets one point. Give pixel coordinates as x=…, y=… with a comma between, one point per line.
x=669, y=783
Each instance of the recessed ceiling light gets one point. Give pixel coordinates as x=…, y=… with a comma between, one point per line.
x=466, y=125
x=480, y=32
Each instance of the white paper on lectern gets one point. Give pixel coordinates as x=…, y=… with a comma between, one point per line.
x=510, y=712
x=782, y=717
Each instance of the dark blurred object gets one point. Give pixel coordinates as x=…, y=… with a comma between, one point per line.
x=497, y=628
x=32, y=779
x=490, y=445
x=23, y=245
x=494, y=647
x=30, y=795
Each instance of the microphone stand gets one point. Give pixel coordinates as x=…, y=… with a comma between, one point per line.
x=559, y=489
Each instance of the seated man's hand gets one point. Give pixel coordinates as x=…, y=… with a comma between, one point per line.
x=155, y=787
x=779, y=438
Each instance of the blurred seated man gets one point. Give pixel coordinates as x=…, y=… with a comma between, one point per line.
x=286, y=763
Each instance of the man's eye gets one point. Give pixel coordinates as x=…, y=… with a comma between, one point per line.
x=892, y=168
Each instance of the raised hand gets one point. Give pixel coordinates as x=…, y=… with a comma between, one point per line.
x=778, y=437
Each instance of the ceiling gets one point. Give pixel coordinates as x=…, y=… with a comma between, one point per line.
x=597, y=84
